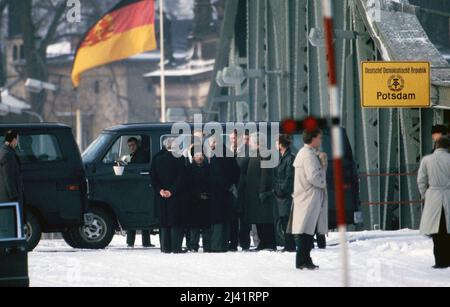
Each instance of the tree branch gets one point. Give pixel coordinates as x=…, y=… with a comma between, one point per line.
x=53, y=26
x=3, y=5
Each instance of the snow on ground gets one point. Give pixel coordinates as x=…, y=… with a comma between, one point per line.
x=401, y=258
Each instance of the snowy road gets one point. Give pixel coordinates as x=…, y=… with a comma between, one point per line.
x=377, y=259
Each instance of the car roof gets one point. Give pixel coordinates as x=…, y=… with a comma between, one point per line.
x=134, y=127
x=35, y=126
x=138, y=127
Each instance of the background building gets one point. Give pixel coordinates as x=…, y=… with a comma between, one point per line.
x=123, y=92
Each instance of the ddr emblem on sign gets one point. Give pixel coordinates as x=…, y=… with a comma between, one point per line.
x=396, y=84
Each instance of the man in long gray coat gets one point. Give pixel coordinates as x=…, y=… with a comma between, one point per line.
x=434, y=186
x=310, y=210
x=11, y=186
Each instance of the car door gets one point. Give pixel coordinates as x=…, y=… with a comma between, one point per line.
x=49, y=187
x=131, y=195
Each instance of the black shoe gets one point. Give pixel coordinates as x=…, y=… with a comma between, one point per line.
x=233, y=250
x=149, y=246
x=258, y=249
x=309, y=266
x=184, y=251
x=287, y=250
x=440, y=267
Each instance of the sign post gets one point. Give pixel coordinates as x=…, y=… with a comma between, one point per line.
x=396, y=85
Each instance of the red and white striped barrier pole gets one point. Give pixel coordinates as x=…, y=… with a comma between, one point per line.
x=337, y=137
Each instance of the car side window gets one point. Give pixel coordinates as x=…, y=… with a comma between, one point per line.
x=129, y=150
x=38, y=148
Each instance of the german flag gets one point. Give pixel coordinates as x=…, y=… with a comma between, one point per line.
x=128, y=29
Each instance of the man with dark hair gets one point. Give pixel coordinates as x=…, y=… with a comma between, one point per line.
x=137, y=153
x=284, y=187
x=11, y=185
x=433, y=181
x=310, y=213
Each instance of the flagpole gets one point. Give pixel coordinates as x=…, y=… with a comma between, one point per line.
x=163, y=60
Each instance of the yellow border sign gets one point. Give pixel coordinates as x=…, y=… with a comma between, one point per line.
x=396, y=85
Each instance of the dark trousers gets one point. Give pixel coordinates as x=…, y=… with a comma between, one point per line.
x=266, y=234
x=194, y=239
x=321, y=241
x=171, y=239
x=240, y=234
x=442, y=244
x=289, y=241
x=220, y=238
x=131, y=238
x=304, y=244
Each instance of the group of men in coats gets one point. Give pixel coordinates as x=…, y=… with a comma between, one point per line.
x=219, y=198
x=195, y=196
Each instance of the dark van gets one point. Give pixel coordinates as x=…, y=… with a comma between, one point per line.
x=54, y=179
x=120, y=203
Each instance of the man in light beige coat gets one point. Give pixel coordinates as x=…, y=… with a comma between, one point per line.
x=310, y=210
x=434, y=186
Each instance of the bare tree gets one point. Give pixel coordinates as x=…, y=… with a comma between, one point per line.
x=3, y=5
x=35, y=50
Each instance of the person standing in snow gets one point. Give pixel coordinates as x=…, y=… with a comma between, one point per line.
x=259, y=207
x=434, y=186
x=167, y=180
x=138, y=156
x=310, y=210
x=240, y=231
x=283, y=185
x=11, y=184
x=225, y=175
x=198, y=181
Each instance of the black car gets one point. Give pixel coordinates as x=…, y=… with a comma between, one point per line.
x=55, y=184
x=121, y=203
x=13, y=253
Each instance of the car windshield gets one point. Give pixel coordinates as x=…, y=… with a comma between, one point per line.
x=94, y=150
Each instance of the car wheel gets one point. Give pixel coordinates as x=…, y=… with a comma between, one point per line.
x=32, y=231
x=68, y=238
x=98, y=235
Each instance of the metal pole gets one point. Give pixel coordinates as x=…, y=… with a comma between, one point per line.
x=337, y=138
x=79, y=121
x=79, y=129
x=163, y=60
